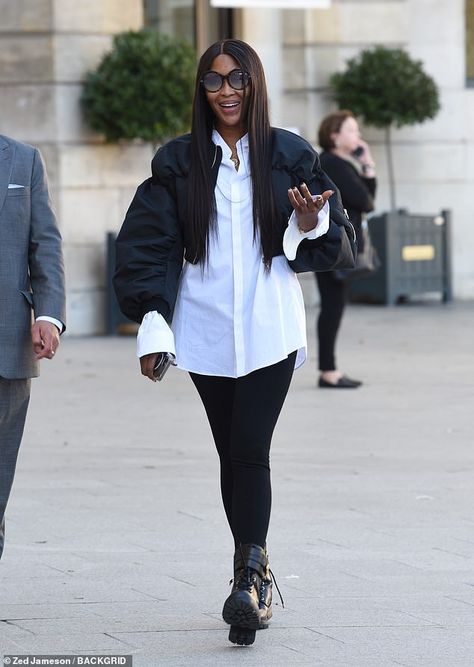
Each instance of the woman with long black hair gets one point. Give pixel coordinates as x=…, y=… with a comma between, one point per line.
x=246, y=205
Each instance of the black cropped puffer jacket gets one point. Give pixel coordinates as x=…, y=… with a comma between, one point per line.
x=154, y=237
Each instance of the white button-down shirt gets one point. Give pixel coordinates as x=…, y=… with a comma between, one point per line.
x=231, y=316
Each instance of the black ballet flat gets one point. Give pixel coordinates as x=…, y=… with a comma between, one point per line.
x=344, y=382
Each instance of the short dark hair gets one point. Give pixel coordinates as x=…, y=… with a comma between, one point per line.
x=201, y=200
x=332, y=124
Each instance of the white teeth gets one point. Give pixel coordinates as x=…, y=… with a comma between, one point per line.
x=230, y=105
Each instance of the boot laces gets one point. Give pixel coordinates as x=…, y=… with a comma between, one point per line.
x=264, y=583
x=247, y=580
x=244, y=580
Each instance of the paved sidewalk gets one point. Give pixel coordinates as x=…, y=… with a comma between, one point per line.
x=117, y=543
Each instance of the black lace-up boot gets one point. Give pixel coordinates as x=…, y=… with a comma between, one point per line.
x=265, y=594
x=241, y=609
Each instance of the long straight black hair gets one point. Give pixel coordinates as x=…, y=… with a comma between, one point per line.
x=201, y=198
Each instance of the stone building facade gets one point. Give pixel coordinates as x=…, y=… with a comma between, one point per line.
x=434, y=161
x=46, y=46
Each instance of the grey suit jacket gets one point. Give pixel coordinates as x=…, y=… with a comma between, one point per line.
x=31, y=263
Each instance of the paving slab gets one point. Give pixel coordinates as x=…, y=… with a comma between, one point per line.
x=116, y=541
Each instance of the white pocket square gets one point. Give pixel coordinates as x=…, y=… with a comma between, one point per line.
x=12, y=186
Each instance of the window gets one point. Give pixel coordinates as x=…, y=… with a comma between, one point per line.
x=172, y=17
x=193, y=20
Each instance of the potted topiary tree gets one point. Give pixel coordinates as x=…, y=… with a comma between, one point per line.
x=142, y=88
x=386, y=89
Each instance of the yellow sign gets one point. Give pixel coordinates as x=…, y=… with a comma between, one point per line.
x=418, y=253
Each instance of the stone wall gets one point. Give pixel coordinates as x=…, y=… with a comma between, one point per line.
x=434, y=162
x=46, y=46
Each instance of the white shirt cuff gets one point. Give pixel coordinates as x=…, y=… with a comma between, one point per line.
x=293, y=235
x=154, y=335
x=53, y=320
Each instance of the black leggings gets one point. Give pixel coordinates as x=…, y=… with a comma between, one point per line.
x=242, y=413
x=333, y=295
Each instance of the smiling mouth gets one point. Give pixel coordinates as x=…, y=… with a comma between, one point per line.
x=229, y=105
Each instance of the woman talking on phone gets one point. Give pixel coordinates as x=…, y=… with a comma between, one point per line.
x=245, y=206
x=347, y=161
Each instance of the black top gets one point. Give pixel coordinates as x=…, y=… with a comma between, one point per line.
x=155, y=234
x=357, y=192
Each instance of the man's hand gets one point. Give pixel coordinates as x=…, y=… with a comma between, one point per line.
x=147, y=364
x=45, y=339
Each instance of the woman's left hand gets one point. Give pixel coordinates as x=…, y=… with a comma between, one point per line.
x=307, y=206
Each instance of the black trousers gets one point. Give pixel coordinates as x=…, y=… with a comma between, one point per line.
x=242, y=413
x=333, y=294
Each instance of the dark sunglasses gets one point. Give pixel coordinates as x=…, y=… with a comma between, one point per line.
x=237, y=79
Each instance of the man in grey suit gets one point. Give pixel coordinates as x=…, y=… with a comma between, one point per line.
x=31, y=295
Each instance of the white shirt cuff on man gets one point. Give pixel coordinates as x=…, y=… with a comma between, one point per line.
x=154, y=335
x=53, y=320
x=293, y=234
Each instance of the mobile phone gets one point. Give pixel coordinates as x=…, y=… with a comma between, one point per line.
x=358, y=151
x=163, y=362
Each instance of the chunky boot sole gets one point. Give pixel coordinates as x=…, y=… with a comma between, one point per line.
x=244, y=636
x=241, y=636
x=239, y=611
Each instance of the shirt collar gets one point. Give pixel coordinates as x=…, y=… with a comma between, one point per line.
x=242, y=143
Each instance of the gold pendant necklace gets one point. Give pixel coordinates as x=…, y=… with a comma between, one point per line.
x=236, y=162
x=234, y=156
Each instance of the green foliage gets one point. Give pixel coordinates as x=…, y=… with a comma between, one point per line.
x=142, y=89
x=386, y=87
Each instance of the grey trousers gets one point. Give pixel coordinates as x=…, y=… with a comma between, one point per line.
x=14, y=399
